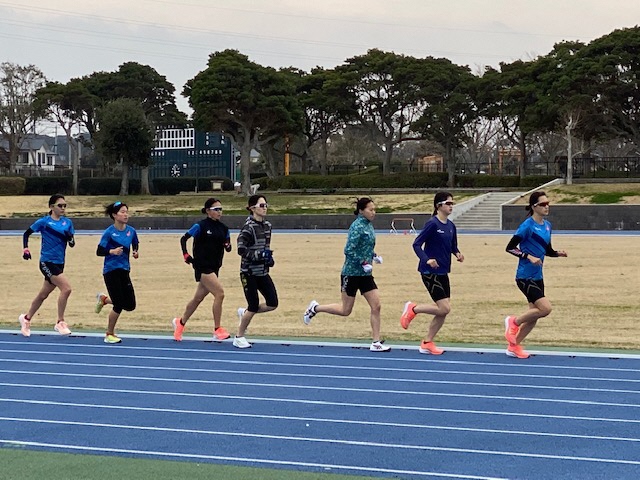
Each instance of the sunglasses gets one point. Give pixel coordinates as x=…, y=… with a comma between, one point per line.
x=262, y=205
x=61, y=205
x=541, y=204
x=449, y=203
x=215, y=209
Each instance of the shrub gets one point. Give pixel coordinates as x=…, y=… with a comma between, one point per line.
x=12, y=185
x=105, y=186
x=48, y=185
x=175, y=185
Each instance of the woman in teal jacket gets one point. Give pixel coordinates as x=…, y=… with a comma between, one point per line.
x=357, y=274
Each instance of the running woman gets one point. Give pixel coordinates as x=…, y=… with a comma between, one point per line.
x=356, y=274
x=530, y=243
x=57, y=232
x=434, y=246
x=254, y=246
x=117, y=242
x=210, y=241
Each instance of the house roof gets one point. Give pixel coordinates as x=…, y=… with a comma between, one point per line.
x=31, y=143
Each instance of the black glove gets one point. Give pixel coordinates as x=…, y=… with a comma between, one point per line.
x=71, y=241
x=26, y=254
x=188, y=258
x=227, y=246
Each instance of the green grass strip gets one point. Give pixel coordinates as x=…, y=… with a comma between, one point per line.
x=19, y=463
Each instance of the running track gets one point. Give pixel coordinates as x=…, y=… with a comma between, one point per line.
x=325, y=409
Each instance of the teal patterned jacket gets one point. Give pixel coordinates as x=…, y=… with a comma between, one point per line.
x=361, y=242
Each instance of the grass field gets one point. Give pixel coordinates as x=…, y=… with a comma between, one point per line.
x=594, y=290
x=20, y=464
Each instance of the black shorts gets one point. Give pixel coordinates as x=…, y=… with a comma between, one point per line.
x=437, y=285
x=49, y=270
x=120, y=290
x=252, y=285
x=532, y=289
x=351, y=284
x=199, y=271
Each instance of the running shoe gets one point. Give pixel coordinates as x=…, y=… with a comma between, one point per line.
x=407, y=315
x=25, y=325
x=517, y=351
x=379, y=346
x=112, y=339
x=178, y=328
x=241, y=342
x=220, y=334
x=240, y=314
x=430, y=348
x=62, y=328
x=511, y=329
x=101, y=300
x=310, y=312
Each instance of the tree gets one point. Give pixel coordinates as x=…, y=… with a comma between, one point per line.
x=447, y=92
x=324, y=112
x=250, y=103
x=125, y=136
x=67, y=105
x=518, y=96
x=383, y=96
x=18, y=116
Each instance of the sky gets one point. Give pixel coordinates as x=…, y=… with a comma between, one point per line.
x=67, y=39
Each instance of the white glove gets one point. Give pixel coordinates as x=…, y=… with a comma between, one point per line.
x=367, y=267
x=377, y=259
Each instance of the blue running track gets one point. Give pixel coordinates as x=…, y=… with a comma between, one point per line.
x=324, y=408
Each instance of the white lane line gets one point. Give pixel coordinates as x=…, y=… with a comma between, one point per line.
x=352, y=443
x=368, y=358
x=326, y=376
x=317, y=402
x=247, y=460
x=325, y=365
x=330, y=389
x=373, y=424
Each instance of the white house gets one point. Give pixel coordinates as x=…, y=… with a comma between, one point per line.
x=35, y=153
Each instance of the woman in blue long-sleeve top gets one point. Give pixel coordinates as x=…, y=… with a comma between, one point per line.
x=434, y=246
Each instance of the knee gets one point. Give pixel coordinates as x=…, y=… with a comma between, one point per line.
x=376, y=308
x=545, y=310
x=65, y=291
x=444, y=310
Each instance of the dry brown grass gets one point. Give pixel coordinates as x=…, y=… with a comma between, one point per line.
x=594, y=291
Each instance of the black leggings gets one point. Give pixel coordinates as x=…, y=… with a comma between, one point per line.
x=263, y=284
x=120, y=290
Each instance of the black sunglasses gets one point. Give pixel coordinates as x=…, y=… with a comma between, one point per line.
x=449, y=203
x=215, y=209
x=542, y=204
x=61, y=205
x=262, y=205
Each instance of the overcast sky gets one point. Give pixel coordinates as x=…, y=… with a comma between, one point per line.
x=67, y=39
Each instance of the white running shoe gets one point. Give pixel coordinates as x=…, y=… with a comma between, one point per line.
x=241, y=342
x=379, y=347
x=240, y=314
x=310, y=312
x=25, y=325
x=101, y=300
x=62, y=328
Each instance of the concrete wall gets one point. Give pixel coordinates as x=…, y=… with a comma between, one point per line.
x=293, y=222
x=579, y=217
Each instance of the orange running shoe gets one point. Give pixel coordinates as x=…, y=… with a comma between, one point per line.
x=178, y=328
x=511, y=329
x=430, y=348
x=517, y=351
x=220, y=334
x=407, y=315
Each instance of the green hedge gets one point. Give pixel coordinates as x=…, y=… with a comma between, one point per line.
x=404, y=180
x=12, y=185
x=175, y=185
x=48, y=185
x=105, y=186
